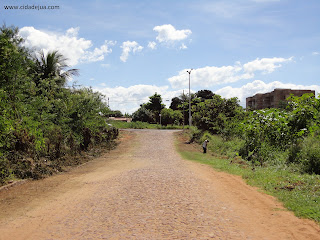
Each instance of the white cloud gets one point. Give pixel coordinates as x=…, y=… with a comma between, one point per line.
x=98, y=54
x=128, y=100
x=128, y=47
x=266, y=65
x=315, y=53
x=210, y=76
x=167, y=33
x=73, y=32
x=75, y=49
x=152, y=45
x=259, y=86
x=183, y=46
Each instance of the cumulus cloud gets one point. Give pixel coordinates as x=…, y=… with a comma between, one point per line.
x=152, y=45
x=259, y=86
x=127, y=48
x=98, y=54
x=168, y=34
x=210, y=76
x=315, y=53
x=266, y=65
x=128, y=99
x=75, y=49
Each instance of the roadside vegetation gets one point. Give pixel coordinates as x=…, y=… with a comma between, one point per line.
x=277, y=150
x=44, y=124
x=288, y=136
x=299, y=192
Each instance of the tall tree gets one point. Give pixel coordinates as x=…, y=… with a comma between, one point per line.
x=143, y=115
x=213, y=114
x=175, y=103
x=155, y=105
x=204, y=94
x=53, y=65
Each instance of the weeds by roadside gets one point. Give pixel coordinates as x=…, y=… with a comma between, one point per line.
x=299, y=192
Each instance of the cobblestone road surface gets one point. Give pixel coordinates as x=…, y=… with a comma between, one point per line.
x=157, y=196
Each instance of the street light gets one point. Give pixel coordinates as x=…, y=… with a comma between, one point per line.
x=183, y=107
x=190, y=118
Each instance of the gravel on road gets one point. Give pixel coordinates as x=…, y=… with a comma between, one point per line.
x=145, y=190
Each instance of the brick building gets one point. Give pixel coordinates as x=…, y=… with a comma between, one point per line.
x=272, y=99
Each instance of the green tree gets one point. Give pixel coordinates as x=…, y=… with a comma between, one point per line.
x=114, y=113
x=155, y=105
x=53, y=65
x=181, y=103
x=169, y=116
x=175, y=103
x=41, y=119
x=143, y=114
x=204, y=94
x=214, y=114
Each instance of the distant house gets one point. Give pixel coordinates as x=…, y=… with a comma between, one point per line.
x=273, y=99
x=122, y=119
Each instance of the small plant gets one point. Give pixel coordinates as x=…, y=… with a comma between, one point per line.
x=310, y=155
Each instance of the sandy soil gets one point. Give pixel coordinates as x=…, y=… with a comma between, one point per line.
x=144, y=190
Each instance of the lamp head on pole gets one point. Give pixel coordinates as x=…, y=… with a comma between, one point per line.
x=190, y=71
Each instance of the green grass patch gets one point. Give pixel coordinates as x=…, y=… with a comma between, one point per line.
x=141, y=125
x=299, y=193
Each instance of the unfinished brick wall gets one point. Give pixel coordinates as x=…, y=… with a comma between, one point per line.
x=273, y=99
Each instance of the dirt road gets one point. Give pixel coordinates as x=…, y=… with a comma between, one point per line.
x=144, y=190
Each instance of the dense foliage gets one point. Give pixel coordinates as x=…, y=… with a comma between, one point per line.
x=150, y=111
x=214, y=114
x=288, y=136
x=42, y=121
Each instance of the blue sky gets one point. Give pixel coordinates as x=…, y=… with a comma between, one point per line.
x=130, y=49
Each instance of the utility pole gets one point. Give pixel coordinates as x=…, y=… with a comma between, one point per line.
x=190, y=118
x=183, y=107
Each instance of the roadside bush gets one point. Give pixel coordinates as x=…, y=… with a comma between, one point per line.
x=310, y=155
x=218, y=144
x=5, y=171
x=214, y=114
x=41, y=119
x=294, y=152
x=194, y=134
x=169, y=116
x=143, y=115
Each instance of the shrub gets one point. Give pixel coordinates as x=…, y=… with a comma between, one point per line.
x=143, y=114
x=194, y=134
x=310, y=155
x=5, y=171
